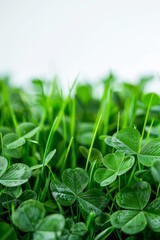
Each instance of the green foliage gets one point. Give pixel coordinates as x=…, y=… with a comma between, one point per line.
x=81, y=166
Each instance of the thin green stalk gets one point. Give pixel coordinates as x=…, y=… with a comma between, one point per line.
x=67, y=152
x=133, y=172
x=92, y=142
x=1, y=141
x=145, y=122
x=149, y=131
x=49, y=140
x=72, y=132
x=118, y=121
x=13, y=116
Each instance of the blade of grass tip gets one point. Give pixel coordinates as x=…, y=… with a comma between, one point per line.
x=1, y=141
x=50, y=138
x=149, y=130
x=126, y=113
x=13, y=116
x=72, y=131
x=67, y=152
x=118, y=121
x=145, y=121
x=105, y=108
x=92, y=142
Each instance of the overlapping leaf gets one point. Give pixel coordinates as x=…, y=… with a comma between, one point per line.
x=126, y=140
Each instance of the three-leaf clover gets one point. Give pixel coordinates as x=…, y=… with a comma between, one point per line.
x=14, y=195
x=74, y=181
x=30, y=217
x=128, y=140
x=117, y=164
x=136, y=216
x=74, y=230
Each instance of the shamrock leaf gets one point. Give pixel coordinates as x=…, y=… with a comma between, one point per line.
x=15, y=175
x=117, y=164
x=150, y=153
x=126, y=140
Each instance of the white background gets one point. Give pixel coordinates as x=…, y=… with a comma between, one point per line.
x=43, y=38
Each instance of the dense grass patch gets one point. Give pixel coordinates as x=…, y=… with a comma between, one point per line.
x=82, y=166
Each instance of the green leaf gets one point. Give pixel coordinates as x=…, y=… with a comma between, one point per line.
x=105, y=233
x=104, y=176
x=95, y=154
x=85, y=138
x=7, y=232
x=155, y=99
x=93, y=200
x=62, y=193
x=16, y=175
x=3, y=165
x=10, y=196
x=8, y=139
x=28, y=129
x=13, y=191
x=135, y=197
x=28, y=216
x=26, y=195
x=17, y=143
x=49, y=157
x=130, y=221
x=150, y=153
x=8, y=200
x=75, y=179
x=153, y=220
x=126, y=140
x=118, y=162
x=50, y=228
x=152, y=213
x=79, y=229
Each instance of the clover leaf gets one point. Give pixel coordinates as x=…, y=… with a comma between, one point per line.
x=117, y=164
x=14, y=195
x=15, y=175
x=7, y=231
x=126, y=140
x=30, y=217
x=74, y=230
x=150, y=153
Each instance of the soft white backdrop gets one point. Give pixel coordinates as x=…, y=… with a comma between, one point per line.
x=86, y=37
